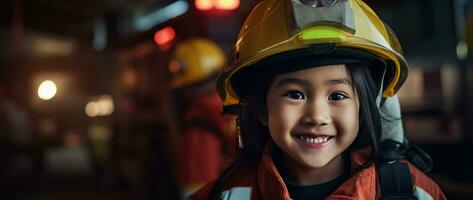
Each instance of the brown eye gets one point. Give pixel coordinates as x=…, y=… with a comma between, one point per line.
x=295, y=95
x=337, y=96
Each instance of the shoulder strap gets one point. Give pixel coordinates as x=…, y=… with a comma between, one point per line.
x=395, y=181
x=390, y=150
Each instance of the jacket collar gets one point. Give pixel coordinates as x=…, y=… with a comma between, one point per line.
x=361, y=184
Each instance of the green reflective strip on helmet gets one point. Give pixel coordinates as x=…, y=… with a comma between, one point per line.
x=320, y=33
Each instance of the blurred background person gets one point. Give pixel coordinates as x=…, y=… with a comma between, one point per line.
x=208, y=137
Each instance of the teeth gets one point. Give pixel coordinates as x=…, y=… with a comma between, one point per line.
x=317, y=140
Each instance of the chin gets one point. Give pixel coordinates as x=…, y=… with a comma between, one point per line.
x=314, y=164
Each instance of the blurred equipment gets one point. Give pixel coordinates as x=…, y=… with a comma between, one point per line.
x=149, y=18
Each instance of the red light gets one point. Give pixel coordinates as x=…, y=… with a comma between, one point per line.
x=164, y=35
x=227, y=4
x=204, y=4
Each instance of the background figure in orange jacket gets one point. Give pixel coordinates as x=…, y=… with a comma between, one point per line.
x=207, y=140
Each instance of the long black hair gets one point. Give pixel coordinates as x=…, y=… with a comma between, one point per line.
x=255, y=135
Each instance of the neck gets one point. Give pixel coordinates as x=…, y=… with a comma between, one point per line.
x=302, y=175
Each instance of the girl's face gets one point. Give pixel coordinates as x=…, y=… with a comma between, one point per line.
x=313, y=114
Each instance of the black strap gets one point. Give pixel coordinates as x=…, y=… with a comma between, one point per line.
x=395, y=181
x=393, y=150
x=419, y=157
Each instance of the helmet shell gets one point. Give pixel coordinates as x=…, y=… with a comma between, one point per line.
x=281, y=27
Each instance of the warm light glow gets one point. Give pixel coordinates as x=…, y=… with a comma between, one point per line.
x=47, y=90
x=227, y=4
x=204, y=4
x=164, y=35
x=100, y=106
x=129, y=78
x=44, y=45
x=92, y=109
x=174, y=66
x=106, y=106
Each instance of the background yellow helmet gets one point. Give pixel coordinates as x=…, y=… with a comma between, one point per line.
x=325, y=31
x=194, y=61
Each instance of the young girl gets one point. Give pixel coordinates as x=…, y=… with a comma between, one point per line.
x=310, y=77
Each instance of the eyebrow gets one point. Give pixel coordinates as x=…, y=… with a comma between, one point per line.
x=304, y=83
x=338, y=81
x=292, y=81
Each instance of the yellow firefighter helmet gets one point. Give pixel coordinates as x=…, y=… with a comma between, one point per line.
x=195, y=60
x=280, y=30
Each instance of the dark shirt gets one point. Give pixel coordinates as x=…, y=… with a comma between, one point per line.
x=306, y=192
x=314, y=192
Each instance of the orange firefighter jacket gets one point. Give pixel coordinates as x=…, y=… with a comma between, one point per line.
x=206, y=142
x=264, y=182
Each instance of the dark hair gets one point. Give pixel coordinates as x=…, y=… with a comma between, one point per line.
x=255, y=135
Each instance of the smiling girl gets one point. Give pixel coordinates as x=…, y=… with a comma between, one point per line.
x=310, y=77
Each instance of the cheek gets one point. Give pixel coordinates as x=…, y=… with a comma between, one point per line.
x=349, y=122
x=281, y=117
x=275, y=116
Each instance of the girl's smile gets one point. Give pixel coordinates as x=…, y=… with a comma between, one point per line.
x=316, y=142
x=313, y=139
x=313, y=116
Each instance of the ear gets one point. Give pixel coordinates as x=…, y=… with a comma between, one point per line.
x=263, y=118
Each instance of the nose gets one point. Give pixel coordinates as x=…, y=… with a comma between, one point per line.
x=317, y=113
